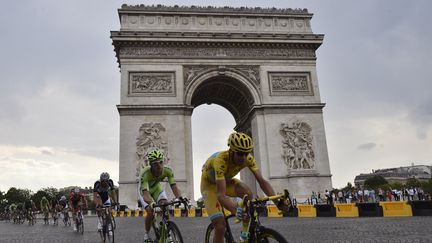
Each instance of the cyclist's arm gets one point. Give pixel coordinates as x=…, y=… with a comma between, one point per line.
x=85, y=201
x=176, y=190
x=222, y=198
x=147, y=197
x=264, y=184
x=96, y=199
x=113, y=195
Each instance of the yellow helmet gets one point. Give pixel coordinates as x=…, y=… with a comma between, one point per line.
x=240, y=142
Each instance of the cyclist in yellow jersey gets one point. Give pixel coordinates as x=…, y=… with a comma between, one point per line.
x=218, y=183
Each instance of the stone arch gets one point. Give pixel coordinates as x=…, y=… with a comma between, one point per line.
x=229, y=89
x=260, y=64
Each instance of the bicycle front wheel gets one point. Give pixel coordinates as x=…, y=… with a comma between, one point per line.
x=267, y=235
x=109, y=230
x=81, y=223
x=209, y=236
x=173, y=233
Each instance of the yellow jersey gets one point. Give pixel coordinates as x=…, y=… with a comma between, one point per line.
x=219, y=167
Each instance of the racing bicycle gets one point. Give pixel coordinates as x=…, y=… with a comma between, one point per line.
x=166, y=231
x=256, y=231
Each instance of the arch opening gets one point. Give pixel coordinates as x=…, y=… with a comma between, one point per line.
x=226, y=92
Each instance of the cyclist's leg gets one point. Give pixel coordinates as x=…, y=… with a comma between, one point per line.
x=208, y=192
x=241, y=189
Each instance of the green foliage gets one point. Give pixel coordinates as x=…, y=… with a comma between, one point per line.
x=413, y=182
x=396, y=185
x=15, y=195
x=348, y=187
x=427, y=186
x=375, y=182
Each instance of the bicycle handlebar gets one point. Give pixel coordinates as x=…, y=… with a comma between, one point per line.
x=183, y=201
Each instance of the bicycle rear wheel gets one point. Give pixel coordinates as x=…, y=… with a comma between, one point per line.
x=173, y=233
x=267, y=235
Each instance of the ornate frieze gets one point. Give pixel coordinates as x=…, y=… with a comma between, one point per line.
x=289, y=83
x=297, y=150
x=250, y=72
x=151, y=84
x=151, y=135
x=269, y=20
x=211, y=52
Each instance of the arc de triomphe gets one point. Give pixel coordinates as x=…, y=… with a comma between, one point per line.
x=260, y=64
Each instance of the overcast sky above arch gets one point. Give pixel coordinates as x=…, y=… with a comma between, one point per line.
x=60, y=84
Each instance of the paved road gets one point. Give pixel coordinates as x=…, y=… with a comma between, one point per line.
x=313, y=230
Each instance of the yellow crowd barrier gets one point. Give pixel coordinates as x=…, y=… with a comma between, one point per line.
x=137, y=213
x=273, y=212
x=396, y=209
x=204, y=212
x=191, y=213
x=177, y=212
x=346, y=210
x=114, y=213
x=306, y=211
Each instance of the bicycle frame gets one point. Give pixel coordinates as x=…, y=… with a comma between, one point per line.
x=162, y=230
x=255, y=229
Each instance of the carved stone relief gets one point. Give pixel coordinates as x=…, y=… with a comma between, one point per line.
x=250, y=72
x=227, y=23
x=152, y=84
x=234, y=52
x=151, y=135
x=297, y=150
x=286, y=83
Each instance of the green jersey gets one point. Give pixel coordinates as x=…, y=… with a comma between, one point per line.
x=151, y=183
x=44, y=203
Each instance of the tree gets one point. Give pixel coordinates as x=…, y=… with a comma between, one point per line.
x=15, y=195
x=375, y=182
x=348, y=188
x=427, y=186
x=396, y=185
x=412, y=182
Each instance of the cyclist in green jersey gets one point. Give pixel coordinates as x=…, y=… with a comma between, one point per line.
x=12, y=210
x=45, y=206
x=151, y=191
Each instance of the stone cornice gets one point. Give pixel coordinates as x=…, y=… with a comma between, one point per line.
x=214, y=9
x=131, y=110
x=215, y=36
x=304, y=108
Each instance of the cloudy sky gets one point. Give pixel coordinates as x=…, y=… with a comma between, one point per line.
x=60, y=83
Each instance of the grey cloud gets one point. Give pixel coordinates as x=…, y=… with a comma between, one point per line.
x=367, y=146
